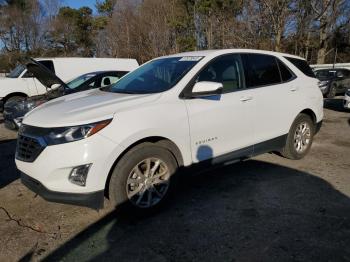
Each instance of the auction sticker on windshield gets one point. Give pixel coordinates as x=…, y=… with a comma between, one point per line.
x=191, y=58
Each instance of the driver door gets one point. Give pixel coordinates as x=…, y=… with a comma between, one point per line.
x=221, y=125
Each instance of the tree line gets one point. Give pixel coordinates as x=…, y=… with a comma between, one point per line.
x=318, y=30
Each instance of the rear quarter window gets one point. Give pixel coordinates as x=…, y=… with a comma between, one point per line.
x=286, y=74
x=302, y=65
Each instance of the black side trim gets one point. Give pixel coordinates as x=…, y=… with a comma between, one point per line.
x=270, y=145
x=93, y=200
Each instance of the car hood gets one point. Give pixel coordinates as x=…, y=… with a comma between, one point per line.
x=84, y=107
x=43, y=74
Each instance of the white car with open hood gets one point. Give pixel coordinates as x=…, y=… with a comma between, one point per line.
x=21, y=83
x=129, y=140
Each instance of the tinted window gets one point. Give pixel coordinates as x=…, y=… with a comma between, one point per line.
x=301, y=65
x=225, y=70
x=324, y=73
x=17, y=71
x=286, y=74
x=260, y=70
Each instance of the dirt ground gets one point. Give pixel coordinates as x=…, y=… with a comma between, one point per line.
x=264, y=209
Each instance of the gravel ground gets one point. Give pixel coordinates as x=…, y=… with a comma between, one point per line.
x=264, y=209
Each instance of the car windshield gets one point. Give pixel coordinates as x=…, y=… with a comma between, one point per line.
x=17, y=71
x=79, y=80
x=156, y=76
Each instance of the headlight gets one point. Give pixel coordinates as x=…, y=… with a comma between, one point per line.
x=323, y=83
x=61, y=135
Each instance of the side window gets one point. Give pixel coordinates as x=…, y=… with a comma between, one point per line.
x=286, y=74
x=301, y=65
x=108, y=80
x=226, y=70
x=48, y=64
x=260, y=70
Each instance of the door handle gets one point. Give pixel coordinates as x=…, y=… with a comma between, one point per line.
x=246, y=98
x=294, y=88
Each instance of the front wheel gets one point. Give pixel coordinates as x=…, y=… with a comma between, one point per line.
x=14, y=99
x=300, y=137
x=143, y=178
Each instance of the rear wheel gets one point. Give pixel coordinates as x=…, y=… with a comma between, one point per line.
x=143, y=178
x=299, y=138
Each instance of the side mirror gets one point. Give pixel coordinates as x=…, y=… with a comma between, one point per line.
x=205, y=88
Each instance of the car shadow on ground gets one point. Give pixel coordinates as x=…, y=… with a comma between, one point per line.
x=8, y=170
x=335, y=104
x=250, y=211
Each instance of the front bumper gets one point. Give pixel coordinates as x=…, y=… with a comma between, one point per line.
x=93, y=200
x=53, y=165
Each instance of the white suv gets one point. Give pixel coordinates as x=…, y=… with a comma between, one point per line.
x=128, y=140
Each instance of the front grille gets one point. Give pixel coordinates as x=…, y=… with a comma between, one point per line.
x=28, y=148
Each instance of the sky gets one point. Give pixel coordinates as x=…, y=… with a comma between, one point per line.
x=80, y=3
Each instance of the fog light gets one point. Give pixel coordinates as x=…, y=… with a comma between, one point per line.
x=79, y=174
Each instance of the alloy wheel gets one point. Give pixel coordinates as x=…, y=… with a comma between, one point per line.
x=302, y=137
x=148, y=182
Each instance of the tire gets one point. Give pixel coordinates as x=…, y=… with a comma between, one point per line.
x=14, y=99
x=127, y=186
x=293, y=149
x=332, y=91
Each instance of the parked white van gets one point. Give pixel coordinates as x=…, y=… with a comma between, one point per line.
x=20, y=83
x=127, y=140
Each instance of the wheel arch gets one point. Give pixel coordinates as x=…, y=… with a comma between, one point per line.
x=156, y=140
x=310, y=113
x=14, y=94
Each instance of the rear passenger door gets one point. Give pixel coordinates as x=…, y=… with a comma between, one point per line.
x=221, y=125
x=274, y=94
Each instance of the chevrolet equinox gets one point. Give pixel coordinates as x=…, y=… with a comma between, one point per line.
x=126, y=141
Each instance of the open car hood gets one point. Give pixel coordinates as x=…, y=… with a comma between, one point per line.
x=43, y=74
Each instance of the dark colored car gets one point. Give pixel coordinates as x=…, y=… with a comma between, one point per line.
x=15, y=111
x=333, y=81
